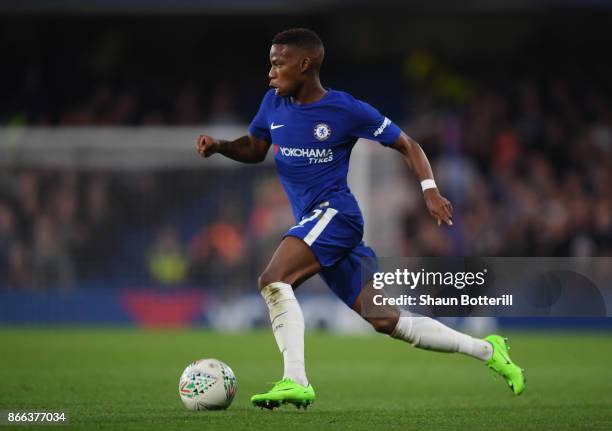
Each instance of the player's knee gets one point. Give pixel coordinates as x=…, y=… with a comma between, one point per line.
x=270, y=276
x=384, y=325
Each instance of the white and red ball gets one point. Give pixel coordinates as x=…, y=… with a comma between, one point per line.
x=207, y=384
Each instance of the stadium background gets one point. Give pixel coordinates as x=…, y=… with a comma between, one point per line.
x=106, y=213
x=110, y=223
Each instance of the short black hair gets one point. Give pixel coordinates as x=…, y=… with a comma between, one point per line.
x=301, y=37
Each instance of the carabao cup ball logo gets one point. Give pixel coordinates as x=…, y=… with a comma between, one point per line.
x=322, y=131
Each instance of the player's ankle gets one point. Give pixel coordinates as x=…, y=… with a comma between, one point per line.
x=298, y=376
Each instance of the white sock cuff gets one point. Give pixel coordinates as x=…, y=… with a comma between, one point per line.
x=277, y=292
x=403, y=326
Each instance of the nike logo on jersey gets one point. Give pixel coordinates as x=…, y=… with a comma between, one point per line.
x=273, y=126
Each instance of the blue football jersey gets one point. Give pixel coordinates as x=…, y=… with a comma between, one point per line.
x=313, y=143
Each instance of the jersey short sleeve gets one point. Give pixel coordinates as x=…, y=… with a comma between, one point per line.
x=371, y=124
x=259, y=126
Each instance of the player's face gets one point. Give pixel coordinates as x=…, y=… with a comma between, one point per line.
x=285, y=74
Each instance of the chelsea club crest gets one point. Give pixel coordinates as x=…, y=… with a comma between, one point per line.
x=322, y=131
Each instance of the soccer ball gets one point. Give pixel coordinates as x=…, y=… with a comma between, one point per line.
x=207, y=384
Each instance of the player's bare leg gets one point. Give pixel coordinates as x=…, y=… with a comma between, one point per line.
x=427, y=333
x=383, y=318
x=292, y=263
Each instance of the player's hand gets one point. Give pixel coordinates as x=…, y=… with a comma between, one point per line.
x=439, y=207
x=207, y=146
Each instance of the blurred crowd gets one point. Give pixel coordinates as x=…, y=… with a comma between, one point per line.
x=529, y=172
x=108, y=104
x=60, y=229
x=57, y=227
x=39, y=230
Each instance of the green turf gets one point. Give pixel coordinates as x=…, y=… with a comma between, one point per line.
x=123, y=379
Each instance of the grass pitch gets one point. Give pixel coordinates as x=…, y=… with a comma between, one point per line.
x=126, y=379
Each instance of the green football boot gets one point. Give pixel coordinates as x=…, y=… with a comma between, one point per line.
x=501, y=363
x=283, y=392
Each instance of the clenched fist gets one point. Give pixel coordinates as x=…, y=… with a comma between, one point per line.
x=207, y=146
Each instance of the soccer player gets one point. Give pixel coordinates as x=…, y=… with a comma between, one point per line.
x=313, y=130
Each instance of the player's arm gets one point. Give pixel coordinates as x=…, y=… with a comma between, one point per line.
x=246, y=149
x=439, y=207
